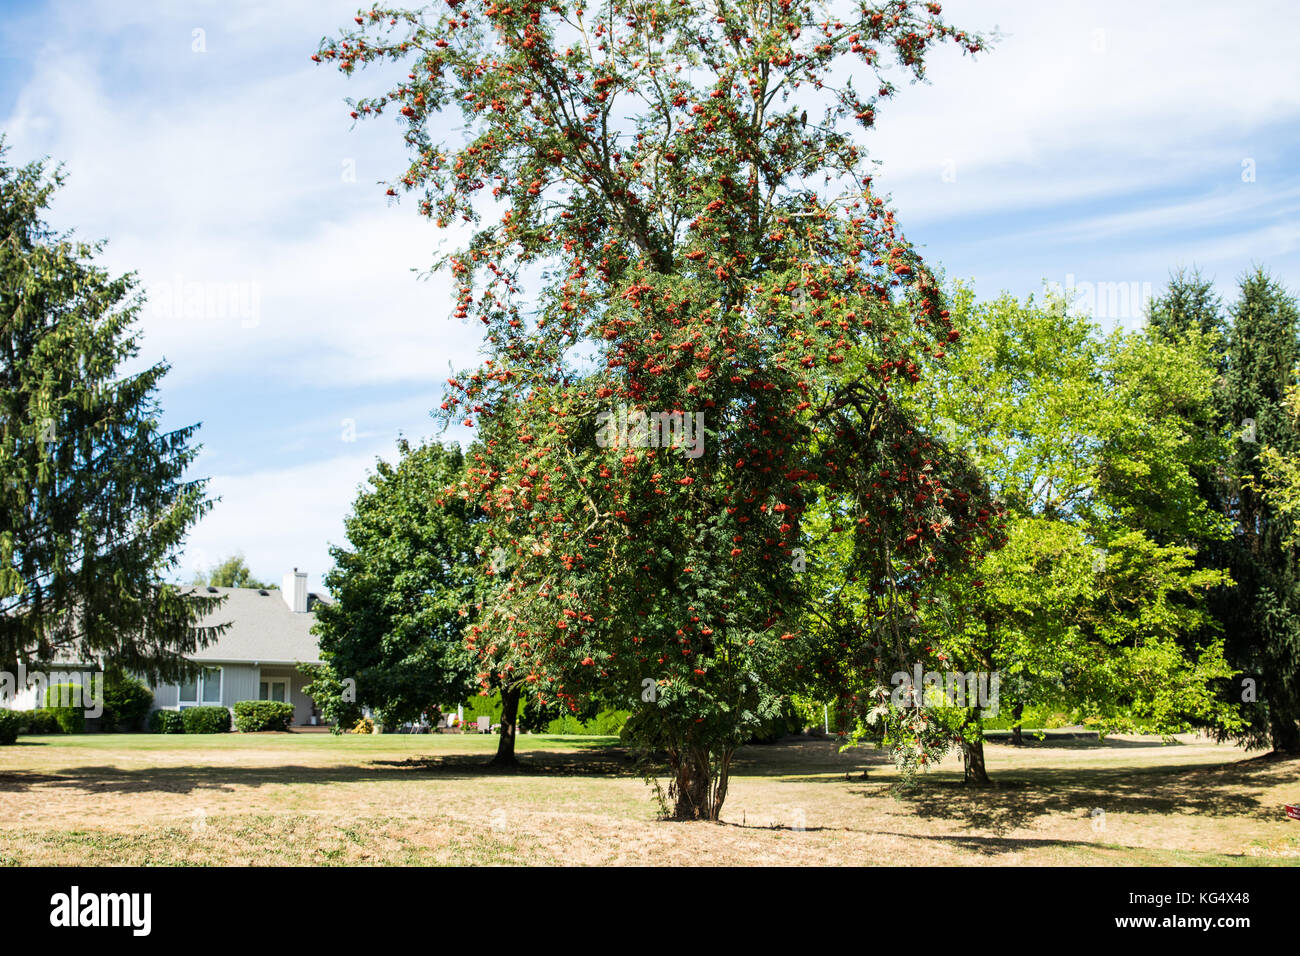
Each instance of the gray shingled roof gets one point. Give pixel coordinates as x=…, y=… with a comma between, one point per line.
x=262, y=628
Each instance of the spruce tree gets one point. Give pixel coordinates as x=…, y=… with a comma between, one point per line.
x=1189, y=302
x=93, y=498
x=1261, y=615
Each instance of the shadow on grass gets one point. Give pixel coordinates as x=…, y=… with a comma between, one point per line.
x=192, y=778
x=605, y=762
x=1018, y=797
x=1072, y=740
x=597, y=757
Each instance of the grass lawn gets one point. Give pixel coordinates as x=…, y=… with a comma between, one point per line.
x=304, y=798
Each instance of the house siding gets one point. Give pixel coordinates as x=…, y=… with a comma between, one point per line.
x=164, y=697
x=238, y=682
x=303, y=705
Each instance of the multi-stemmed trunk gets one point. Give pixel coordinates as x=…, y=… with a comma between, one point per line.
x=699, y=787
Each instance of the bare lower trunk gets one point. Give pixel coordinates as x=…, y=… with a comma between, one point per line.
x=973, y=754
x=509, y=727
x=1286, y=735
x=1017, y=712
x=972, y=746
x=699, y=785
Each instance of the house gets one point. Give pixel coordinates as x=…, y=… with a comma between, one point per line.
x=256, y=658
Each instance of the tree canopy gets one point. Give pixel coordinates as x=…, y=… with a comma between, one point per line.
x=654, y=164
x=394, y=626
x=94, y=501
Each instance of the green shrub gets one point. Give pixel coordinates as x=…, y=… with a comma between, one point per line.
x=10, y=722
x=606, y=723
x=72, y=720
x=166, y=722
x=568, y=724
x=38, y=722
x=126, y=702
x=328, y=691
x=254, y=715
x=1032, y=718
x=609, y=723
x=206, y=720
x=477, y=706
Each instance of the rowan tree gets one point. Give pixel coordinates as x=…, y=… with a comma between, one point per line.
x=671, y=213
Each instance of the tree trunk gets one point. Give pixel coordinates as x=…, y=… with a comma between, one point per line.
x=1017, y=712
x=509, y=726
x=973, y=753
x=1286, y=735
x=698, y=788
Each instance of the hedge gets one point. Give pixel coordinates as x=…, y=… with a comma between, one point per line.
x=206, y=720
x=126, y=702
x=10, y=722
x=72, y=720
x=37, y=722
x=166, y=722
x=607, y=723
x=254, y=715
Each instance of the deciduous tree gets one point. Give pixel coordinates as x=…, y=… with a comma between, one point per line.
x=674, y=216
x=395, y=624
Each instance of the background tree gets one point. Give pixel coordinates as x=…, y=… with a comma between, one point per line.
x=652, y=164
x=93, y=499
x=1262, y=614
x=395, y=625
x=1084, y=440
x=1281, y=474
x=233, y=572
x=1189, y=303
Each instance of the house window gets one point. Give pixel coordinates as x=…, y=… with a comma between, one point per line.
x=203, y=689
x=274, y=688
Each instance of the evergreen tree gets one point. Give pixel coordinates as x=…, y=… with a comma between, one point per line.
x=1190, y=318
x=1262, y=614
x=93, y=503
x=1189, y=302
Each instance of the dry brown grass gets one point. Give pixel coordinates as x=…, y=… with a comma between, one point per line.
x=313, y=799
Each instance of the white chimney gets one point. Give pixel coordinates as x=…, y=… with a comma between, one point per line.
x=294, y=591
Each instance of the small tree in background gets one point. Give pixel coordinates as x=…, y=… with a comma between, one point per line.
x=395, y=625
x=233, y=572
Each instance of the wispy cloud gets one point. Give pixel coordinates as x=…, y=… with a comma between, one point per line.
x=1097, y=139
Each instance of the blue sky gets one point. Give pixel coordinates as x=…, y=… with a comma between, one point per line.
x=1099, y=143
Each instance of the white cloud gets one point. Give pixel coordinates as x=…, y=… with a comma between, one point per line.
x=1046, y=116
x=226, y=167
x=280, y=519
